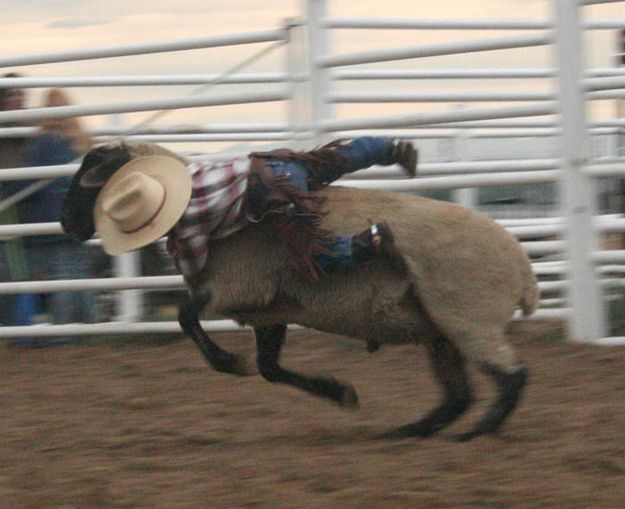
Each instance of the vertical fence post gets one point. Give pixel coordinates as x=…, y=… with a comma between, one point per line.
x=620, y=103
x=298, y=115
x=129, y=303
x=319, y=76
x=466, y=196
x=587, y=321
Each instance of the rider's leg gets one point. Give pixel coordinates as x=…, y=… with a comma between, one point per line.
x=361, y=153
x=345, y=251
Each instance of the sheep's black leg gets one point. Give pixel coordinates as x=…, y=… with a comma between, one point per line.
x=219, y=359
x=449, y=368
x=269, y=342
x=509, y=387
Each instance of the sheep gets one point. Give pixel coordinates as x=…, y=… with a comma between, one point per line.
x=465, y=276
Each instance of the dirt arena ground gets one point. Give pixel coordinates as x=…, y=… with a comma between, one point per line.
x=150, y=426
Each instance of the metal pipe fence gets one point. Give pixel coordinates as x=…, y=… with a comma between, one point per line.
x=585, y=270
x=277, y=35
x=283, y=77
x=36, y=114
x=454, y=24
x=433, y=50
x=443, y=117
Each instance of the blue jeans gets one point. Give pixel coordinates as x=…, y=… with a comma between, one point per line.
x=340, y=247
x=357, y=154
x=64, y=259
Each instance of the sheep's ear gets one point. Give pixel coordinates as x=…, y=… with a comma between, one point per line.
x=96, y=177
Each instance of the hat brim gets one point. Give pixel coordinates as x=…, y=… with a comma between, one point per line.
x=174, y=176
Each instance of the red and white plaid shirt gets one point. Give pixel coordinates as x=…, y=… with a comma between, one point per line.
x=214, y=212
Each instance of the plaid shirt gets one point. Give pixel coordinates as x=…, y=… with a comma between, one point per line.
x=214, y=212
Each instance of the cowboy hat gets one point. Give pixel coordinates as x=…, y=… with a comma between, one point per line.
x=141, y=202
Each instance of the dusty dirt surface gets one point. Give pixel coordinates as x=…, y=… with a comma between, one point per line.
x=151, y=426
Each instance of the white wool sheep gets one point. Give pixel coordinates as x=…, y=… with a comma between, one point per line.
x=466, y=278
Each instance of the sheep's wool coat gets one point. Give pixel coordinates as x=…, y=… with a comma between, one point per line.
x=467, y=277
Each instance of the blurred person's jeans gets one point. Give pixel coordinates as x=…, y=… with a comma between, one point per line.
x=55, y=260
x=63, y=259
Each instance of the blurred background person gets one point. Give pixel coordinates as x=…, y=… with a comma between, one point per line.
x=14, y=310
x=54, y=257
x=12, y=147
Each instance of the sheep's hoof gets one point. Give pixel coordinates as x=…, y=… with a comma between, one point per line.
x=341, y=393
x=349, y=398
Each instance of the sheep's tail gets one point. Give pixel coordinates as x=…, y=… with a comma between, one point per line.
x=530, y=294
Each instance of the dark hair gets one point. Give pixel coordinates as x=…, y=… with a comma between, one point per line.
x=97, y=167
x=3, y=90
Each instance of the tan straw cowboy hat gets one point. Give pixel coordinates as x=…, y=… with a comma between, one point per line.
x=141, y=202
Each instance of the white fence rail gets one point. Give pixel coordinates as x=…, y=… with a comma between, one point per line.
x=145, y=49
x=573, y=235
x=36, y=114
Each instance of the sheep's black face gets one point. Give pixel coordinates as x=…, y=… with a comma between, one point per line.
x=97, y=167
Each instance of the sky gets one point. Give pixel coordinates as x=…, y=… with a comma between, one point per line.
x=33, y=26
